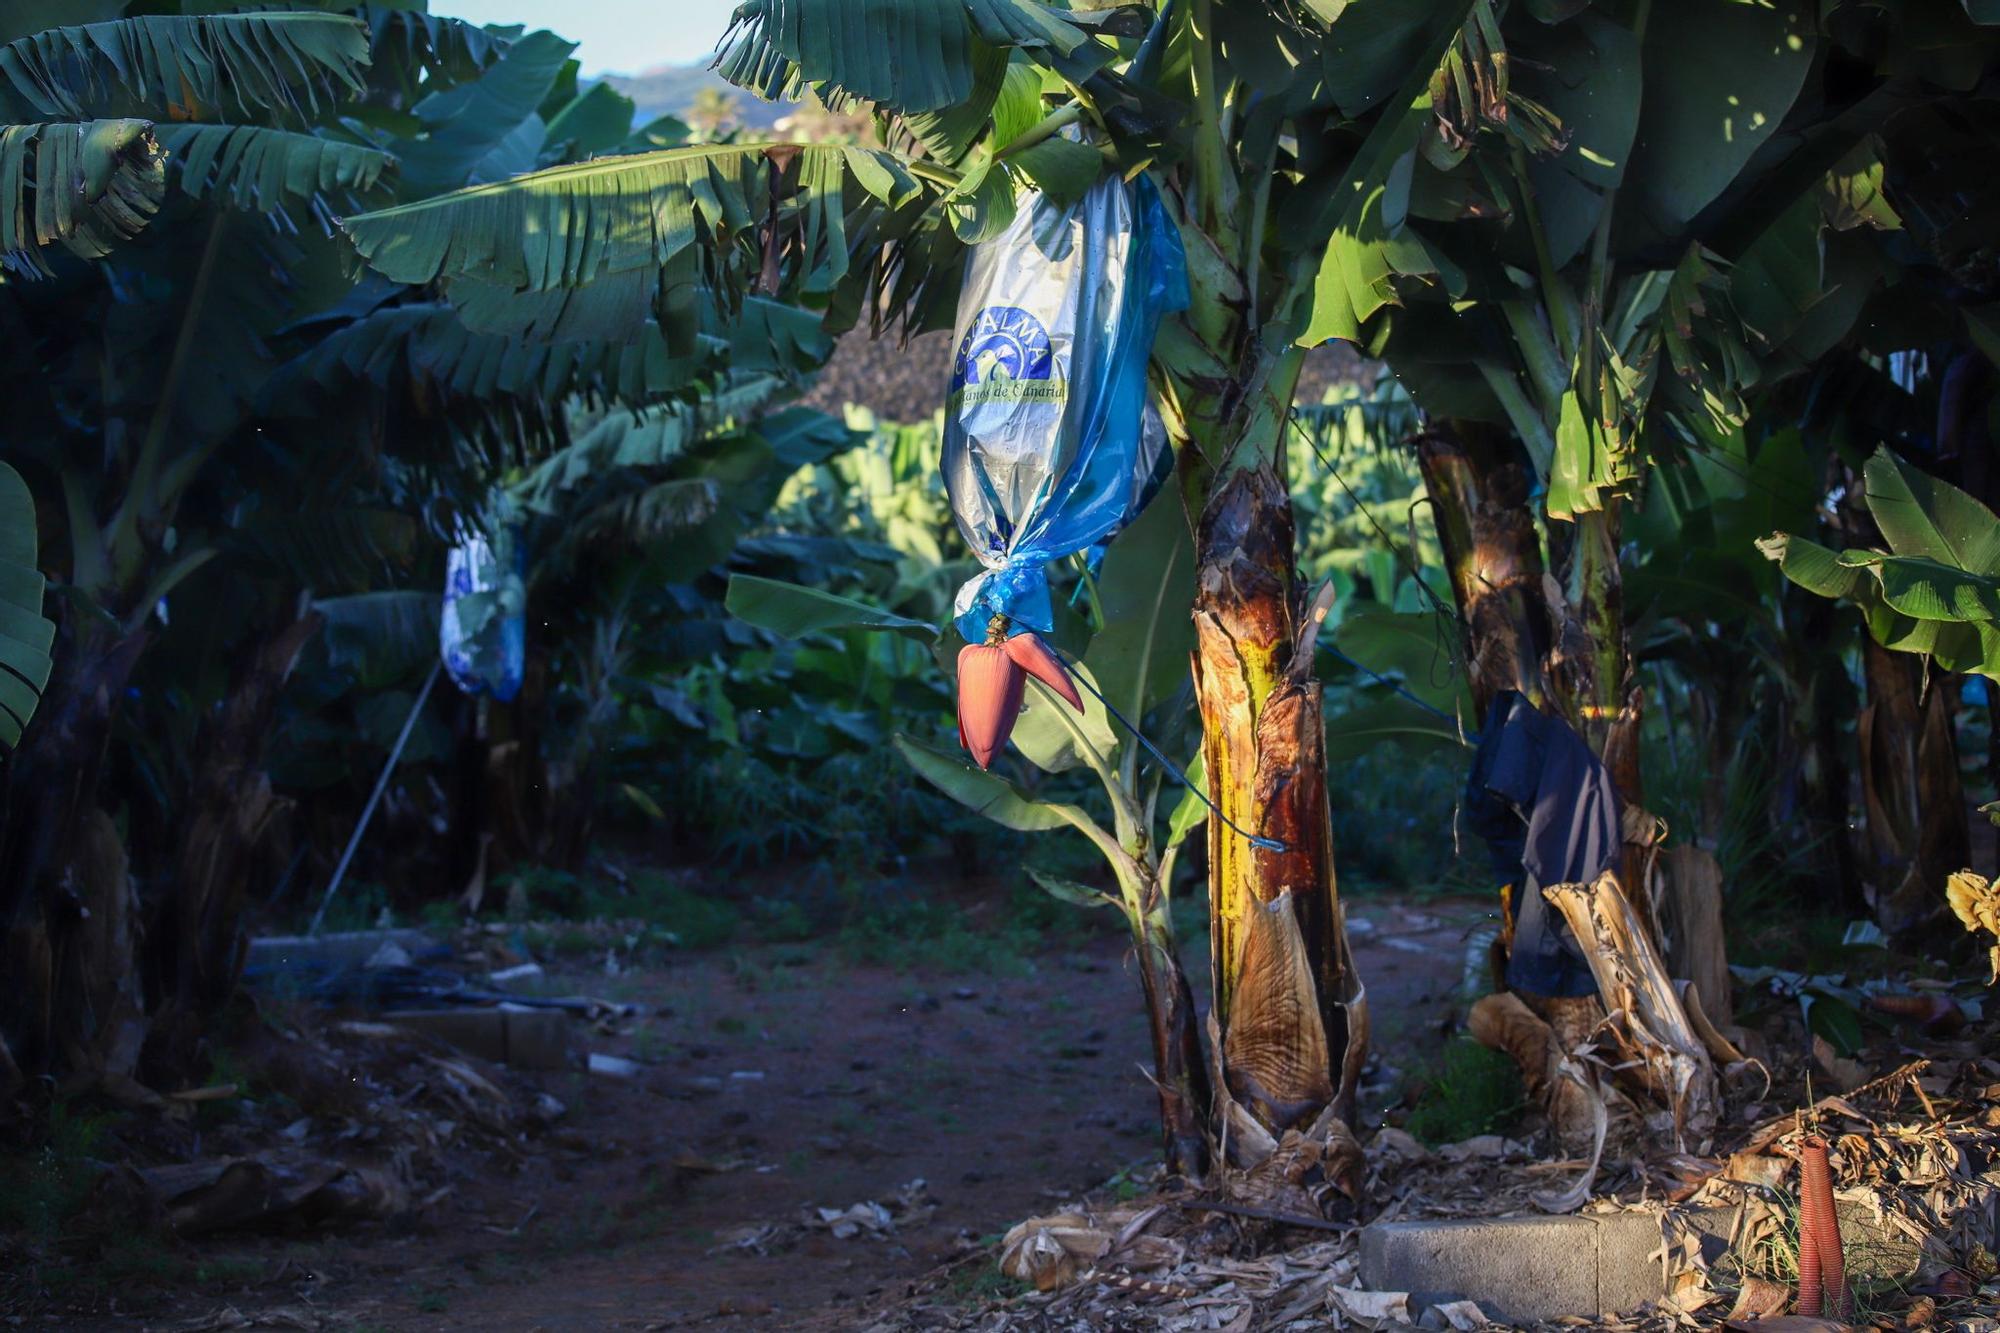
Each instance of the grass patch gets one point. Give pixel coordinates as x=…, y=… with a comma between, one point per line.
x=127, y=1264
x=979, y=1281
x=678, y=917
x=1470, y=1090
x=42, y=1190
x=915, y=932
x=1878, y=1272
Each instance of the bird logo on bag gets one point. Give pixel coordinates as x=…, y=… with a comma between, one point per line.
x=1003, y=343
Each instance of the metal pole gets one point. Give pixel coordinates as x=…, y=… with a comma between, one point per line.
x=374, y=798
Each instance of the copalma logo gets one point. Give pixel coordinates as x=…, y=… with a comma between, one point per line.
x=1005, y=356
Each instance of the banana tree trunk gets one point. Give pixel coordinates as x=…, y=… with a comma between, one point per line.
x=1825, y=772
x=198, y=943
x=1563, y=645
x=1479, y=487
x=1288, y=1025
x=1911, y=789
x=49, y=800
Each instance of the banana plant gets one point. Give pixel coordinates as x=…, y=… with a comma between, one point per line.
x=273, y=422
x=1130, y=672
x=1933, y=592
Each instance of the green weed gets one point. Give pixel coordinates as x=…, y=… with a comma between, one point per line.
x=360, y=905
x=441, y=916
x=676, y=916
x=1126, y=1185
x=1470, y=1090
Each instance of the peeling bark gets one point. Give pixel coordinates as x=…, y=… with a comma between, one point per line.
x=1911, y=789
x=1243, y=636
x=1501, y=1022
x=1274, y=1053
x=1690, y=910
x=101, y=973
x=1656, y=1044
x=1289, y=1023
x=1180, y=1078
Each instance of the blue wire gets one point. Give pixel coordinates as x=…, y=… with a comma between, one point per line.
x=1180, y=776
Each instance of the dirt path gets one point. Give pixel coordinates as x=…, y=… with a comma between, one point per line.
x=783, y=1080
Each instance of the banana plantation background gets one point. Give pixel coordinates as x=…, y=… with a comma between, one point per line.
x=1642, y=367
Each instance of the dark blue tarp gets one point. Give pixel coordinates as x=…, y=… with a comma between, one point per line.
x=1549, y=814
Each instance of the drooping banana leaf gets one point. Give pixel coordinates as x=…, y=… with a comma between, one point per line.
x=920, y=55
x=380, y=638
x=255, y=167
x=988, y=794
x=587, y=250
x=191, y=66
x=467, y=126
x=795, y=611
x=85, y=186
x=25, y=635
x=649, y=438
x=432, y=343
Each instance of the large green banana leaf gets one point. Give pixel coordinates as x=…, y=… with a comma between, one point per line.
x=1935, y=591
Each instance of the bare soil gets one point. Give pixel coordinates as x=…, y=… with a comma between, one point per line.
x=773, y=1082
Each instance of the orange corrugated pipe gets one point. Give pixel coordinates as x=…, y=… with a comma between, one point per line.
x=1822, y=1271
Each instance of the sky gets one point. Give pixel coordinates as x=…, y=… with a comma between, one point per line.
x=615, y=36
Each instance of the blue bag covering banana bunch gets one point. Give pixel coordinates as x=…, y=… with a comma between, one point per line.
x=483, y=630
x=1050, y=443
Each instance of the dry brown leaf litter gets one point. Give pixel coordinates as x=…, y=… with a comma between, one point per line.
x=1916, y=1155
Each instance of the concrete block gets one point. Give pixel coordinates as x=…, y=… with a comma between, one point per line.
x=525, y=1039
x=1629, y=1268
x=1876, y=1249
x=340, y=949
x=1518, y=1269
x=1522, y=1269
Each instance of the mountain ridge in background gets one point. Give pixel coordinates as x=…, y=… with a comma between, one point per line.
x=669, y=90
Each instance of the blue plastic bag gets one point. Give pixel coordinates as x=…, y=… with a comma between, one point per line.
x=1047, y=450
x=483, y=629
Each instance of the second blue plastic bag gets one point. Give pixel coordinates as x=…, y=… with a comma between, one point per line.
x=482, y=631
x=1047, y=449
